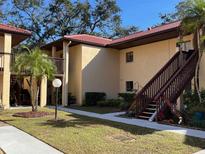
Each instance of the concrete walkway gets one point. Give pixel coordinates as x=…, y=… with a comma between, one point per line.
x=15, y=141
x=137, y=122
x=200, y=152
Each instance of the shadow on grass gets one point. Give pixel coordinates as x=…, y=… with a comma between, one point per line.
x=62, y=123
x=194, y=142
x=7, y=120
x=81, y=122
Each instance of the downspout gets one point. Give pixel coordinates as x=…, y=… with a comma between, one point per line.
x=67, y=49
x=66, y=75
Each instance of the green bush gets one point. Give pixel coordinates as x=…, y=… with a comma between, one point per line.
x=198, y=108
x=198, y=123
x=125, y=105
x=71, y=99
x=191, y=100
x=128, y=99
x=110, y=103
x=91, y=98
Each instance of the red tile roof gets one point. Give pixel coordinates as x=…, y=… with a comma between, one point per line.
x=85, y=38
x=104, y=42
x=153, y=30
x=12, y=29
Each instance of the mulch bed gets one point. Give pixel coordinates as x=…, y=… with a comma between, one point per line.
x=32, y=114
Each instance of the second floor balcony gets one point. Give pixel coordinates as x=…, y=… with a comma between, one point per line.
x=4, y=57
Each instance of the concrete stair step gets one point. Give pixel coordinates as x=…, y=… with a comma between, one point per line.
x=152, y=109
x=150, y=113
x=143, y=117
x=153, y=105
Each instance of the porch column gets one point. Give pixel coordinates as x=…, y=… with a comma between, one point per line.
x=66, y=73
x=53, y=89
x=6, y=72
x=43, y=94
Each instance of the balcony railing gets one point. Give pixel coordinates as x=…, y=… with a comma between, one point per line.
x=57, y=61
x=59, y=64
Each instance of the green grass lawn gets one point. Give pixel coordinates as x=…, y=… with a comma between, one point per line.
x=95, y=109
x=77, y=134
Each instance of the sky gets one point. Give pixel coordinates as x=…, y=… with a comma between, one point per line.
x=144, y=13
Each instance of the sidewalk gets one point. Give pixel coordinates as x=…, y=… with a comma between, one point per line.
x=15, y=141
x=137, y=122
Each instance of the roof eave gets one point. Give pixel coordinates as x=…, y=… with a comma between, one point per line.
x=142, y=37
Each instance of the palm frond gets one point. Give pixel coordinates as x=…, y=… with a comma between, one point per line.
x=35, y=63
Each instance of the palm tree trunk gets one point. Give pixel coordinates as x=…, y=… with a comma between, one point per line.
x=196, y=81
x=36, y=100
x=31, y=93
x=37, y=93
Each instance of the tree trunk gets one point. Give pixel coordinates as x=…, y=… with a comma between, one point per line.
x=36, y=100
x=196, y=81
x=31, y=93
x=38, y=82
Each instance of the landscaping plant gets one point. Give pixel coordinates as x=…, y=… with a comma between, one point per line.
x=36, y=65
x=91, y=98
x=193, y=21
x=127, y=98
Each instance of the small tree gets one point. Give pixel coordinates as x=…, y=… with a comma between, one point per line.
x=37, y=66
x=193, y=21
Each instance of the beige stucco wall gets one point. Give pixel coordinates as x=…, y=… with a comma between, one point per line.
x=75, y=73
x=93, y=69
x=148, y=60
x=100, y=70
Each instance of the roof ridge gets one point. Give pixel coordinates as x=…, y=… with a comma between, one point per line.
x=164, y=24
x=100, y=37
x=146, y=30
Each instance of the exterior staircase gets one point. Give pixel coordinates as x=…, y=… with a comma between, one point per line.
x=165, y=87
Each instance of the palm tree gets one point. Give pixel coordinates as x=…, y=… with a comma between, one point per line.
x=193, y=21
x=36, y=66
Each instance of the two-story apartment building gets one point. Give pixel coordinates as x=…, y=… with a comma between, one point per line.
x=88, y=63
x=96, y=64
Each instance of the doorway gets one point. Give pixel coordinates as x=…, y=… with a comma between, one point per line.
x=19, y=91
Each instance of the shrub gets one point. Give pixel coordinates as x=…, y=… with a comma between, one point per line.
x=128, y=99
x=125, y=105
x=191, y=100
x=71, y=99
x=91, y=98
x=110, y=103
x=197, y=108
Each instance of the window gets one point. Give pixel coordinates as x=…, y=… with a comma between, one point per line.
x=129, y=57
x=129, y=85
